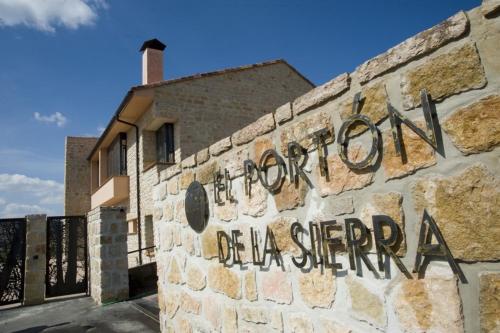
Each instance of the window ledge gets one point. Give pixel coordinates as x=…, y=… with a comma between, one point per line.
x=151, y=165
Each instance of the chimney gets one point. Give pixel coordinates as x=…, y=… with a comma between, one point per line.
x=152, y=61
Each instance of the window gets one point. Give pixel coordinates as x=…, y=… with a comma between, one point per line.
x=132, y=227
x=117, y=156
x=165, y=152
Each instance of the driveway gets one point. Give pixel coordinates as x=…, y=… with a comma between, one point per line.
x=82, y=315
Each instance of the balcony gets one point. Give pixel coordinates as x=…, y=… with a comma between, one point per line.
x=114, y=190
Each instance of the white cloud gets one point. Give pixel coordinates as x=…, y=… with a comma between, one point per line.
x=46, y=15
x=21, y=195
x=100, y=129
x=56, y=117
x=21, y=210
x=22, y=183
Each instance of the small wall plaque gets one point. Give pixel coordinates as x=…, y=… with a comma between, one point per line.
x=196, y=207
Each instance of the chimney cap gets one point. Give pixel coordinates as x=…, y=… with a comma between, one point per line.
x=153, y=44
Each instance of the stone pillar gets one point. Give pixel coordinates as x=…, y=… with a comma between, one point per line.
x=107, y=239
x=36, y=246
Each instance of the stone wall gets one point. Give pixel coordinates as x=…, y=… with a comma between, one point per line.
x=77, y=175
x=107, y=239
x=457, y=183
x=35, y=264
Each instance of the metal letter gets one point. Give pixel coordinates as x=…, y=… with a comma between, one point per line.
x=223, y=258
x=297, y=227
x=397, y=118
x=426, y=248
x=228, y=185
x=354, y=246
x=218, y=187
x=236, y=246
x=248, y=171
x=329, y=243
x=272, y=250
x=319, y=141
x=263, y=169
x=384, y=244
x=315, y=236
x=255, y=249
x=343, y=142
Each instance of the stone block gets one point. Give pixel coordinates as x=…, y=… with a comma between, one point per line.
x=224, y=281
x=289, y=196
x=189, y=162
x=299, y=323
x=209, y=241
x=475, y=128
x=365, y=305
x=174, y=273
x=172, y=170
x=254, y=314
x=180, y=212
x=195, y=278
x=256, y=204
x=202, y=156
x=229, y=319
x=322, y=94
x=414, y=47
x=205, y=173
x=300, y=131
x=189, y=304
x=330, y=326
x=429, y=305
x=389, y=204
x=251, y=292
x=233, y=162
x=262, y=144
x=340, y=177
x=226, y=211
x=281, y=231
x=283, y=113
x=277, y=287
x=489, y=301
x=220, y=146
x=212, y=312
x=168, y=211
x=263, y=125
x=317, y=288
x=374, y=106
x=173, y=186
x=448, y=74
x=417, y=154
x=187, y=177
x=465, y=207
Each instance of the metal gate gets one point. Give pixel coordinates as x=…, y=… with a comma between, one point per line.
x=12, y=260
x=67, y=268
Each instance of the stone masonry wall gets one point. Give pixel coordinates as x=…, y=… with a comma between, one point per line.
x=36, y=248
x=107, y=239
x=458, y=63
x=77, y=175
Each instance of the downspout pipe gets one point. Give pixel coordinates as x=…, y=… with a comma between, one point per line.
x=137, y=183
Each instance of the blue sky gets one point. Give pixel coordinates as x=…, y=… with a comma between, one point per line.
x=65, y=65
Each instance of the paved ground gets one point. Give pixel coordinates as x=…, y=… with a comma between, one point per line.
x=82, y=315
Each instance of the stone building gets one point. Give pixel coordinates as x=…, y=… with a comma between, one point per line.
x=162, y=122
